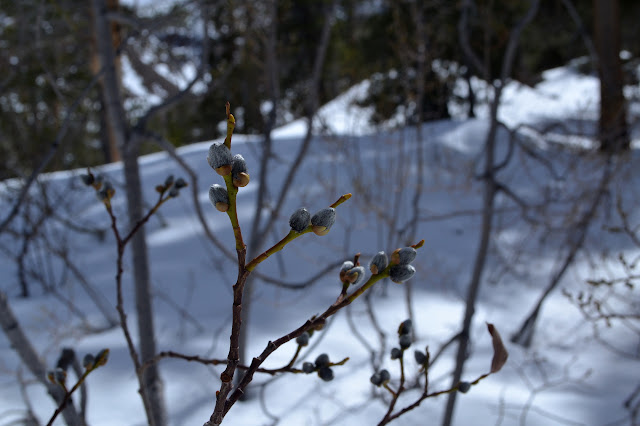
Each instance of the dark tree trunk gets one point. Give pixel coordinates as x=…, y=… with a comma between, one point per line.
x=613, y=132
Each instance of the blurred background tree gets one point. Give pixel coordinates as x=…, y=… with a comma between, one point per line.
x=48, y=60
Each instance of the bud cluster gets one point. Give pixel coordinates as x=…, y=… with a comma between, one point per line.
x=404, y=339
x=172, y=185
x=322, y=366
x=57, y=376
x=89, y=362
x=401, y=269
x=350, y=274
x=380, y=378
x=224, y=163
x=321, y=222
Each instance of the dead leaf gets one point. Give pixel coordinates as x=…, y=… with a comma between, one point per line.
x=500, y=353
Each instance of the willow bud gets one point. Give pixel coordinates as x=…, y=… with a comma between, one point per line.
x=376, y=379
x=405, y=327
x=401, y=273
x=88, y=361
x=88, y=179
x=303, y=339
x=219, y=197
x=239, y=171
x=180, y=183
x=107, y=192
x=403, y=256
x=323, y=220
x=346, y=266
x=102, y=357
x=174, y=192
x=355, y=275
x=60, y=375
x=325, y=373
x=300, y=219
x=378, y=263
x=220, y=159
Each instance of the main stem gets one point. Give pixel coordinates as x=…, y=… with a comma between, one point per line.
x=233, y=358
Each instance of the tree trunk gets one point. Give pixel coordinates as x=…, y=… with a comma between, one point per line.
x=107, y=138
x=142, y=279
x=613, y=131
x=151, y=383
x=488, y=208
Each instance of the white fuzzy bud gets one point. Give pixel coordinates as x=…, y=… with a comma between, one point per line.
x=300, y=219
x=323, y=220
x=401, y=273
x=239, y=171
x=403, y=256
x=220, y=158
x=219, y=197
x=378, y=263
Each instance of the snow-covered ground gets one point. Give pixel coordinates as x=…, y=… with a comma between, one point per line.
x=573, y=373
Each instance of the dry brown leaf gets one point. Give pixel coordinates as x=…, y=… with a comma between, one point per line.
x=500, y=353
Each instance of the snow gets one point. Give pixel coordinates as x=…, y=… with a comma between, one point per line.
x=566, y=377
x=338, y=117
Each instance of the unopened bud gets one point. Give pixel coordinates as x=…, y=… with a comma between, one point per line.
x=405, y=341
x=102, y=357
x=401, y=273
x=325, y=373
x=405, y=327
x=378, y=263
x=385, y=376
x=219, y=197
x=180, y=183
x=220, y=159
x=396, y=353
x=303, y=339
x=60, y=375
x=107, y=192
x=322, y=361
x=88, y=361
x=308, y=367
x=323, y=220
x=355, y=275
x=87, y=179
x=376, y=379
x=239, y=171
x=464, y=387
x=300, y=219
x=97, y=182
x=403, y=256
x=168, y=181
x=421, y=358
x=346, y=266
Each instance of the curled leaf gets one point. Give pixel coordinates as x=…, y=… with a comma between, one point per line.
x=500, y=353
